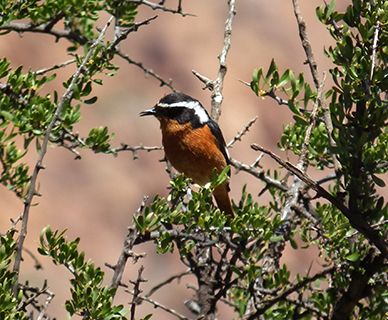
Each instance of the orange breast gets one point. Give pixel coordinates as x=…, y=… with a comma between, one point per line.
x=193, y=152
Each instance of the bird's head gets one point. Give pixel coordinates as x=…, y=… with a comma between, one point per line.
x=181, y=108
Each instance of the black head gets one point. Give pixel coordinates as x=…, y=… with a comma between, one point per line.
x=180, y=107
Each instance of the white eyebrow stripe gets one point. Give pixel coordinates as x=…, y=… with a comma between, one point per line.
x=195, y=105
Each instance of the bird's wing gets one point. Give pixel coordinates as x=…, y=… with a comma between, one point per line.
x=215, y=129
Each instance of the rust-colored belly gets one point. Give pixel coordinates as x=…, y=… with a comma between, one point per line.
x=193, y=152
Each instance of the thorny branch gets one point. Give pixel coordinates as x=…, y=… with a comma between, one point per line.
x=374, y=48
x=216, y=85
x=147, y=71
x=355, y=219
x=55, y=67
x=126, y=252
x=317, y=82
x=136, y=291
x=156, y=6
x=258, y=174
x=32, y=294
x=168, y=281
x=32, y=192
x=71, y=141
x=29, y=27
x=159, y=305
x=242, y=133
x=266, y=304
x=217, y=96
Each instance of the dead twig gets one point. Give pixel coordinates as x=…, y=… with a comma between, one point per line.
x=356, y=220
x=129, y=242
x=157, y=6
x=29, y=27
x=167, y=281
x=55, y=67
x=159, y=305
x=216, y=86
x=136, y=291
x=242, y=132
x=266, y=304
x=317, y=82
x=374, y=48
x=32, y=191
x=251, y=169
x=147, y=71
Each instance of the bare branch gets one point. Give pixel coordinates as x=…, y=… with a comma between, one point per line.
x=159, y=305
x=136, y=291
x=314, y=72
x=241, y=133
x=66, y=98
x=129, y=242
x=278, y=99
x=216, y=85
x=147, y=71
x=133, y=28
x=356, y=220
x=42, y=313
x=28, y=27
x=217, y=96
x=135, y=149
x=156, y=6
x=374, y=47
x=168, y=281
x=266, y=304
x=55, y=67
x=209, y=84
x=258, y=174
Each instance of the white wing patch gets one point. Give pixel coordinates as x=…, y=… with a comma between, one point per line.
x=195, y=105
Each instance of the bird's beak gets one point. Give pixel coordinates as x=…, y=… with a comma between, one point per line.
x=149, y=112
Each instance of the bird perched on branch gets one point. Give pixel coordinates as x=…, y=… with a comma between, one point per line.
x=193, y=142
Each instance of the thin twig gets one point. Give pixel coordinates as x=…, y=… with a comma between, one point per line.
x=156, y=6
x=136, y=291
x=242, y=132
x=167, y=281
x=317, y=82
x=159, y=305
x=124, y=34
x=129, y=242
x=28, y=27
x=356, y=220
x=216, y=86
x=270, y=302
x=37, y=263
x=55, y=67
x=209, y=84
x=258, y=174
x=278, y=99
x=42, y=313
x=66, y=98
x=147, y=71
x=374, y=47
x=217, y=96
x=134, y=149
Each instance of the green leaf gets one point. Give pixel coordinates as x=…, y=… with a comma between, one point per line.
x=378, y=181
x=91, y=100
x=355, y=256
x=272, y=68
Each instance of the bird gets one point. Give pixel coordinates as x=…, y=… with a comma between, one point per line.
x=193, y=142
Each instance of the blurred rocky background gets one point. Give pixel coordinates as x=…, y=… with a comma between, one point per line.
x=94, y=198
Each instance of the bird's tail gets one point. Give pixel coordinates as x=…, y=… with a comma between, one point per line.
x=221, y=194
